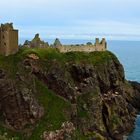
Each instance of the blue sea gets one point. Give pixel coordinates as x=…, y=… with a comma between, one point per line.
x=128, y=52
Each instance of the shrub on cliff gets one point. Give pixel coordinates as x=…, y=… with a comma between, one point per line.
x=5, y=137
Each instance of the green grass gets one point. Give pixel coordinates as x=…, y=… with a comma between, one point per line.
x=80, y=136
x=10, y=63
x=55, y=108
x=52, y=53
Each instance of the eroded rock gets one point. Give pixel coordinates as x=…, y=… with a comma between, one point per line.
x=18, y=105
x=65, y=132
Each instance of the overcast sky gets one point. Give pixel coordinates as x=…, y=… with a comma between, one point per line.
x=73, y=18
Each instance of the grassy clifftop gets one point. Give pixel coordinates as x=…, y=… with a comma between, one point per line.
x=11, y=62
x=51, y=53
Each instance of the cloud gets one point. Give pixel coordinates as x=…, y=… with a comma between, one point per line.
x=72, y=17
x=85, y=30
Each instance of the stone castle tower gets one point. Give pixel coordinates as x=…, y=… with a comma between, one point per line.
x=8, y=39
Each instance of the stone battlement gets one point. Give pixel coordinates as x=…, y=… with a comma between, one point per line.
x=89, y=47
x=7, y=27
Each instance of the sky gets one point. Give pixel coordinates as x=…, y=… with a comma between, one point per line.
x=74, y=19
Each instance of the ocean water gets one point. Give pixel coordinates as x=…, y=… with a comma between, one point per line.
x=128, y=52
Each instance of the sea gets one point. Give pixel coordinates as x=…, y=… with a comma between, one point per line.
x=128, y=53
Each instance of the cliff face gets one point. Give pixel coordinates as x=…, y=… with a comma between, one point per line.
x=87, y=90
x=18, y=105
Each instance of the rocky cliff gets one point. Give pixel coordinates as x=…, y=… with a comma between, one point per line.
x=73, y=96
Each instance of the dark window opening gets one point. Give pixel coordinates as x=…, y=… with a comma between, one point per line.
x=3, y=37
x=5, y=44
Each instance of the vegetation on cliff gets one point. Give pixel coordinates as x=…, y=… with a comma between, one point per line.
x=47, y=89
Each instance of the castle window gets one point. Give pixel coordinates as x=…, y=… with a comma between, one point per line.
x=3, y=36
x=4, y=44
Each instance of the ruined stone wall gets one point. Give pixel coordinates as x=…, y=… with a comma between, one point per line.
x=98, y=46
x=69, y=48
x=81, y=48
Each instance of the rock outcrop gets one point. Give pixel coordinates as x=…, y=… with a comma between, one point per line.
x=101, y=103
x=106, y=104
x=18, y=105
x=65, y=132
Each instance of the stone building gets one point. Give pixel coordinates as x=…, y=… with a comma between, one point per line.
x=36, y=42
x=89, y=47
x=8, y=39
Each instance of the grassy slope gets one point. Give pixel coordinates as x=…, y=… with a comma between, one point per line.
x=54, y=105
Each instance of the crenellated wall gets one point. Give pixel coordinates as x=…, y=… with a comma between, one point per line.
x=98, y=46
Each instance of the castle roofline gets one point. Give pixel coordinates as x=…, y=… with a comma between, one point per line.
x=7, y=27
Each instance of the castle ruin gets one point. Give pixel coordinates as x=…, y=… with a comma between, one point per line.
x=36, y=42
x=8, y=39
x=9, y=43
x=89, y=47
